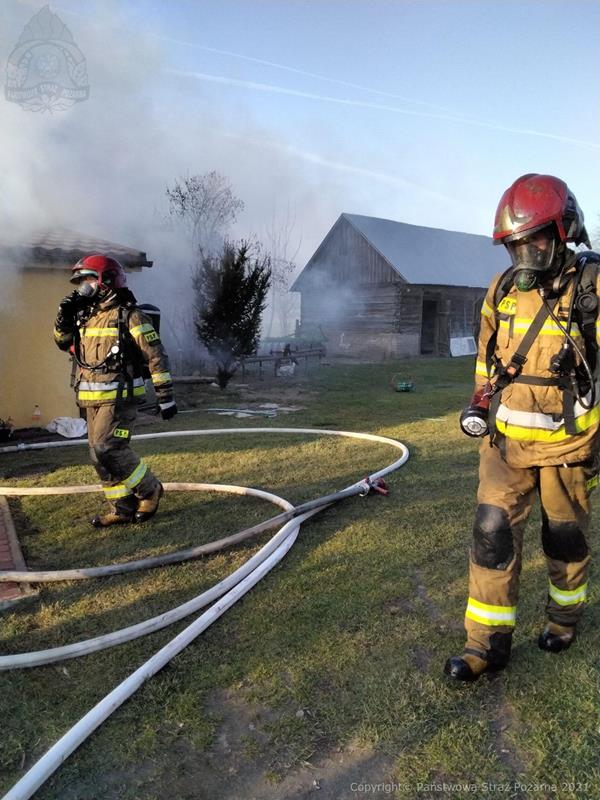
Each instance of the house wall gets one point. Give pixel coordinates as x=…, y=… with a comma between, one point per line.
x=32, y=369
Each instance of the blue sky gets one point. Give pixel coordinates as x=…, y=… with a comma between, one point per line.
x=412, y=110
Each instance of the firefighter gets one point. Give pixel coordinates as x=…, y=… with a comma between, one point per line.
x=536, y=404
x=112, y=341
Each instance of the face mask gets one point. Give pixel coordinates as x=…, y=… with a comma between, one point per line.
x=87, y=288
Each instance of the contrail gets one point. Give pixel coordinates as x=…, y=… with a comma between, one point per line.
x=340, y=166
x=267, y=87
x=305, y=73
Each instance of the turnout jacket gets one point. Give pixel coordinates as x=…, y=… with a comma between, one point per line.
x=112, y=346
x=529, y=425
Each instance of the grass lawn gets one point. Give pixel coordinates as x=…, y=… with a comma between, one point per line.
x=327, y=676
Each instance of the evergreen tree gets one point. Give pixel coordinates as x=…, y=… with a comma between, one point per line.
x=231, y=291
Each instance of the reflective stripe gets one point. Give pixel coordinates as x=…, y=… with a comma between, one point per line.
x=100, y=387
x=89, y=332
x=62, y=337
x=145, y=328
x=481, y=369
x=138, y=391
x=136, y=476
x=491, y=615
x=486, y=310
x=568, y=597
x=549, y=328
x=525, y=426
x=592, y=483
x=115, y=492
x=161, y=377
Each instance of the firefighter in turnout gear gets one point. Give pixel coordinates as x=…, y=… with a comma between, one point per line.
x=113, y=343
x=536, y=404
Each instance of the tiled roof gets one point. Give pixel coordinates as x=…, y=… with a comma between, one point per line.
x=62, y=247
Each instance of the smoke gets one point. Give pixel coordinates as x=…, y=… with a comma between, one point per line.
x=101, y=168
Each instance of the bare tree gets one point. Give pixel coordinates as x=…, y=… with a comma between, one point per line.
x=281, y=302
x=207, y=206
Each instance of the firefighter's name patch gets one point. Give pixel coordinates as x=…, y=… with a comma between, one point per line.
x=151, y=336
x=121, y=433
x=508, y=305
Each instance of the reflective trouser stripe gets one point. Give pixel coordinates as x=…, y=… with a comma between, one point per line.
x=491, y=615
x=125, y=488
x=568, y=597
x=136, y=476
x=116, y=492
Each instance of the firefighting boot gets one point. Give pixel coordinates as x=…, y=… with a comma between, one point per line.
x=467, y=667
x=555, y=638
x=117, y=515
x=148, y=506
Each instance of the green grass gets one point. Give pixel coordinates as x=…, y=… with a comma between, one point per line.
x=342, y=645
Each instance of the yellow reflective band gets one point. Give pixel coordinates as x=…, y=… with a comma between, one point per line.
x=549, y=328
x=486, y=310
x=481, y=369
x=110, y=394
x=121, y=433
x=62, y=337
x=88, y=332
x=115, y=492
x=508, y=306
x=568, y=597
x=136, y=476
x=161, y=377
x=137, y=329
x=523, y=434
x=592, y=483
x=491, y=615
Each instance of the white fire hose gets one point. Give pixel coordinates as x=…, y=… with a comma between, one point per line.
x=228, y=590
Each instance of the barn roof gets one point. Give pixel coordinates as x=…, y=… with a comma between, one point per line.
x=61, y=247
x=427, y=255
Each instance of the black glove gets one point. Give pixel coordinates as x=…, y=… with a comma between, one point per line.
x=168, y=410
x=67, y=312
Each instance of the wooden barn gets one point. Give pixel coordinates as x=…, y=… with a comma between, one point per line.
x=384, y=289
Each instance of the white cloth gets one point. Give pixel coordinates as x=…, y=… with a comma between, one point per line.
x=69, y=427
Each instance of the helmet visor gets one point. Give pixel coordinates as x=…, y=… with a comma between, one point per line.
x=535, y=251
x=83, y=273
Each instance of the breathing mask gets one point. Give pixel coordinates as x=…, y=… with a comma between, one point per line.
x=534, y=258
x=87, y=289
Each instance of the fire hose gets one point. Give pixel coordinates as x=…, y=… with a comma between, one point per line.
x=225, y=593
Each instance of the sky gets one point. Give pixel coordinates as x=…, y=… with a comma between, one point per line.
x=422, y=111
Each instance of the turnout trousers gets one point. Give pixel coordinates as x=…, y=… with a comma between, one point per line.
x=505, y=498
x=125, y=478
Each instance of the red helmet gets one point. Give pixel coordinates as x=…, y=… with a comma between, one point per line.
x=534, y=202
x=107, y=270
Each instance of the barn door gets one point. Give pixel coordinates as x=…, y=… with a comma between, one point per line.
x=429, y=319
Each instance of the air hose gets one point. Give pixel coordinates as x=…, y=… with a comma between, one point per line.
x=229, y=591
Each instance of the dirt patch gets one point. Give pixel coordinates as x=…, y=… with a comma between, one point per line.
x=240, y=764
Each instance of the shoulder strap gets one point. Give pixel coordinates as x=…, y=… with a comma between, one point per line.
x=503, y=287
